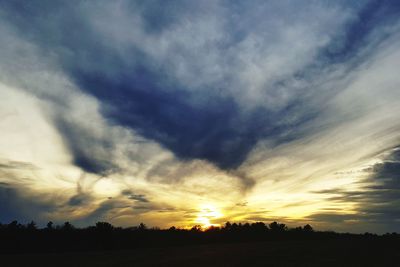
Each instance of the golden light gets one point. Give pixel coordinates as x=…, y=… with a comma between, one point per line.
x=106, y=187
x=207, y=213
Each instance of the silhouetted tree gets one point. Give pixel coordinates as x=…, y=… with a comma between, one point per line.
x=31, y=226
x=308, y=228
x=104, y=226
x=246, y=226
x=259, y=226
x=234, y=227
x=277, y=227
x=14, y=225
x=196, y=228
x=49, y=225
x=212, y=228
x=25, y=238
x=142, y=227
x=67, y=226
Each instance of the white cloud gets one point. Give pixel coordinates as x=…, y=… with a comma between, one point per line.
x=239, y=53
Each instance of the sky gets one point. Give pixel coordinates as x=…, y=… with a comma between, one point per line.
x=201, y=112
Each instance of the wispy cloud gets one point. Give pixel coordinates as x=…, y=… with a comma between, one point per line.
x=376, y=201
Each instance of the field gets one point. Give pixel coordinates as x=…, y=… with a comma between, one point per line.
x=271, y=253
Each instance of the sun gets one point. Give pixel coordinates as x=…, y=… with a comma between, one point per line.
x=207, y=213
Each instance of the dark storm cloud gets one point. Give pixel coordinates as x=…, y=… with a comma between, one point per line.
x=143, y=100
x=378, y=202
x=14, y=204
x=373, y=15
x=334, y=218
x=137, y=197
x=90, y=153
x=139, y=94
x=78, y=200
x=158, y=17
x=140, y=198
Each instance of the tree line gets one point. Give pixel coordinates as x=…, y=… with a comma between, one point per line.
x=17, y=237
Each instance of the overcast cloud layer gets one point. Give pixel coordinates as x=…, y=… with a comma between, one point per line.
x=169, y=112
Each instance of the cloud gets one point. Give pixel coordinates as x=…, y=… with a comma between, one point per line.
x=137, y=197
x=377, y=200
x=201, y=87
x=259, y=103
x=17, y=205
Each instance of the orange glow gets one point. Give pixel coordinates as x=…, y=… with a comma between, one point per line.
x=207, y=213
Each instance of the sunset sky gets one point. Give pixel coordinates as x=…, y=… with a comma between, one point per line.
x=199, y=112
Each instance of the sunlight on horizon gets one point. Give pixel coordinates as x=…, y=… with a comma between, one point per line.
x=208, y=213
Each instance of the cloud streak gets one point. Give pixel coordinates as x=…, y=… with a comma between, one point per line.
x=377, y=200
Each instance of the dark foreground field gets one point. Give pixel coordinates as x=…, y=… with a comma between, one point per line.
x=270, y=253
